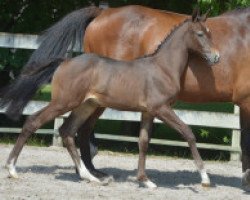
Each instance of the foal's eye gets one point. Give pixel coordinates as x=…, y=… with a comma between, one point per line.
x=200, y=33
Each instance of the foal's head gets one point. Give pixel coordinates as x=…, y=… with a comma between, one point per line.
x=199, y=38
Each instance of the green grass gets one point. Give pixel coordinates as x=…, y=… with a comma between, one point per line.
x=34, y=140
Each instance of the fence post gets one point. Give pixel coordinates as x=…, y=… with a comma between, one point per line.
x=235, y=156
x=57, y=140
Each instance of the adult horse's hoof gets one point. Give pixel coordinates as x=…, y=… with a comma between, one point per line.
x=246, y=181
x=12, y=171
x=147, y=184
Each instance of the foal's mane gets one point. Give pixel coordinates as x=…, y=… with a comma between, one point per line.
x=167, y=38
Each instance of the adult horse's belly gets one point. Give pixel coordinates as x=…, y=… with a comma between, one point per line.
x=130, y=32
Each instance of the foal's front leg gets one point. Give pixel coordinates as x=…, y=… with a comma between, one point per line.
x=168, y=116
x=144, y=139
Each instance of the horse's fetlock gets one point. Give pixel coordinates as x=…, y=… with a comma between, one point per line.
x=142, y=178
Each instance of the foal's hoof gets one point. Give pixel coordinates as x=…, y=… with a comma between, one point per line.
x=12, y=172
x=205, y=180
x=147, y=184
x=246, y=181
x=206, y=185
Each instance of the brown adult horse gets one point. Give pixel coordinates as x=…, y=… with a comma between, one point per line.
x=137, y=31
x=149, y=85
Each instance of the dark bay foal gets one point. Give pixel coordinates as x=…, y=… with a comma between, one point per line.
x=149, y=85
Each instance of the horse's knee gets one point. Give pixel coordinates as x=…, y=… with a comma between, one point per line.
x=68, y=128
x=30, y=126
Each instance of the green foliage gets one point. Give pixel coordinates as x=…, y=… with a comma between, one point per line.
x=219, y=6
x=204, y=133
x=232, y=4
x=181, y=6
x=14, y=59
x=226, y=140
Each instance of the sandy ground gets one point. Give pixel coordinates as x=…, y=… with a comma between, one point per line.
x=48, y=173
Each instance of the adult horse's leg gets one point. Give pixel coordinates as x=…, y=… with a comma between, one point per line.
x=33, y=123
x=68, y=131
x=83, y=135
x=168, y=116
x=245, y=145
x=144, y=139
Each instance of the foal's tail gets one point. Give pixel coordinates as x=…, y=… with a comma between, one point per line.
x=40, y=68
x=17, y=95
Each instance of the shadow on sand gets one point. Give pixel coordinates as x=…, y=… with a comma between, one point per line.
x=162, y=178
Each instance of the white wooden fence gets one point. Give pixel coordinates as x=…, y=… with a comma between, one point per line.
x=196, y=118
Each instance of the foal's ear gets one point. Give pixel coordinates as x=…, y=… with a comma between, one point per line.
x=203, y=18
x=196, y=15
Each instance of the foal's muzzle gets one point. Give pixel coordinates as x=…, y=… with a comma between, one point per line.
x=212, y=57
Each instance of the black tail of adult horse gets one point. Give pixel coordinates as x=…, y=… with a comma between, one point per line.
x=18, y=94
x=39, y=69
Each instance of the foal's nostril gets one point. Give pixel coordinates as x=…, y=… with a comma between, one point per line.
x=212, y=57
x=217, y=57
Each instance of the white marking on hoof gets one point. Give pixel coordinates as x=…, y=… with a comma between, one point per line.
x=148, y=184
x=12, y=170
x=93, y=150
x=205, y=180
x=85, y=174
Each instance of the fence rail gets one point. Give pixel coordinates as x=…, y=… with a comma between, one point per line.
x=196, y=118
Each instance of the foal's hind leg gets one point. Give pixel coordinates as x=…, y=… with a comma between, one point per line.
x=144, y=139
x=68, y=131
x=83, y=134
x=167, y=115
x=33, y=123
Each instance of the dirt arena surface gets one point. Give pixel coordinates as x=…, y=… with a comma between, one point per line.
x=48, y=173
